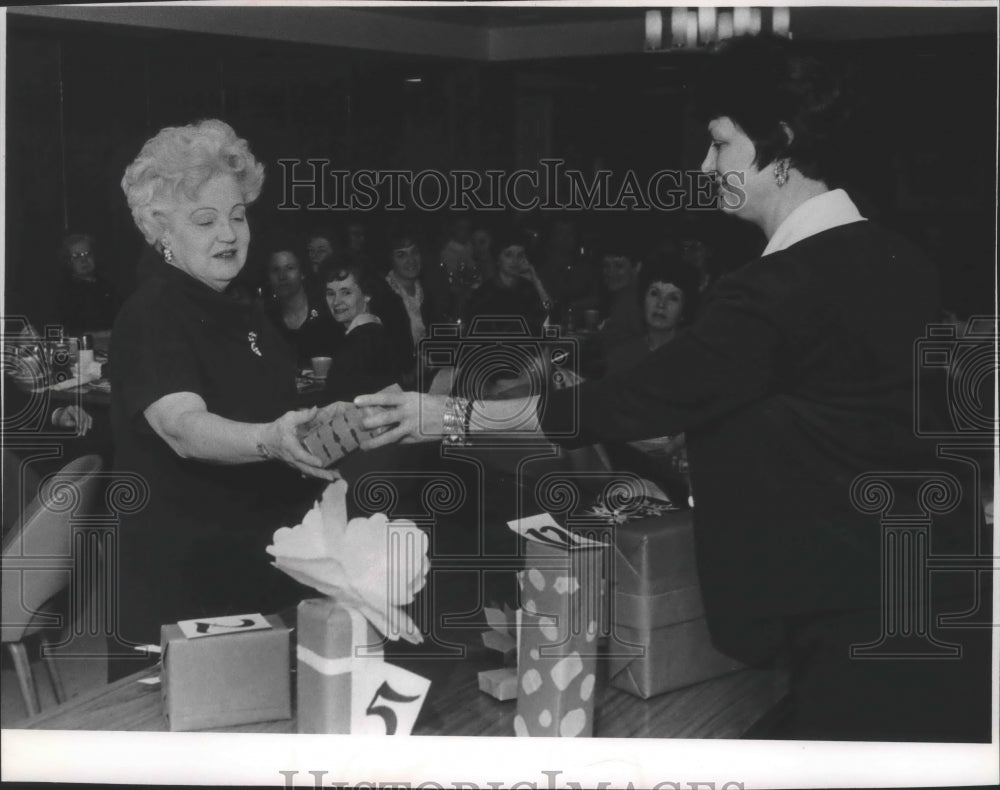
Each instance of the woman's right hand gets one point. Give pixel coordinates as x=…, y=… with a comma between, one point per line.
x=407, y=416
x=528, y=272
x=281, y=440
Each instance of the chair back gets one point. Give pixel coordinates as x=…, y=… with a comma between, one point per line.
x=38, y=557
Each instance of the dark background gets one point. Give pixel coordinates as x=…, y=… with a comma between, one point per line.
x=82, y=98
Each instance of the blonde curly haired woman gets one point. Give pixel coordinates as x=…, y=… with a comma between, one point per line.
x=201, y=392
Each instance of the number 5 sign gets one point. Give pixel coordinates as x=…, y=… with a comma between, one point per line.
x=386, y=699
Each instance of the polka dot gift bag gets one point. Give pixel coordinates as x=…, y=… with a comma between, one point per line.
x=557, y=647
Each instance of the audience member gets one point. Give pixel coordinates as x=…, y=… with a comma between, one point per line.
x=356, y=247
x=323, y=253
x=515, y=292
x=666, y=296
x=367, y=360
x=302, y=320
x=86, y=301
x=404, y=278
x=482, y=250
x=620, y=267
x=565, y=268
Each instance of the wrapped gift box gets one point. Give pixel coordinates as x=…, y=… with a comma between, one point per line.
x=557, y=647
x=227, y=679
x=499, y=683
x=656, y=603
x=332, y=643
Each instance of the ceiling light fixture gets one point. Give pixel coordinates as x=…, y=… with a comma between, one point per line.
x=704, y=26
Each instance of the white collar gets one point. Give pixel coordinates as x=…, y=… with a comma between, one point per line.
x=823, y=212
x=361, y=319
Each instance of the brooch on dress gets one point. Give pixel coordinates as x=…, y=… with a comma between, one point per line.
x=252, y=337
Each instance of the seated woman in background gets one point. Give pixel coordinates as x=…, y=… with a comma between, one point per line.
x=367, y=359
x=620, y=268
x=406, y=282
x=515, y=292
x=666, y=297
x=323, y=253
x=304, y=322
x=86, y=301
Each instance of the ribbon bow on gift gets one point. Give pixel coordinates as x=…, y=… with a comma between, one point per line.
x=372, y=565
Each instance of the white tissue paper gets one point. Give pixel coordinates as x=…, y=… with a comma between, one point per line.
x=372, y=565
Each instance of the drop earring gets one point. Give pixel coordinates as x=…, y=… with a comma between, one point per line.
x=168, y=254
x=781, y=172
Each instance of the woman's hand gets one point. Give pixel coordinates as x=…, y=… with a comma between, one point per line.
x=408, y=416
x=281, y=441
x=528, y=272
x=72, y=417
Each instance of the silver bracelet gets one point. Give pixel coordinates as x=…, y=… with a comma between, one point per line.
x=455, y=425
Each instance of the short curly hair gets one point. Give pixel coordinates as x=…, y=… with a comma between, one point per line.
x=667, y=267
x=765, y=83
x=181, y=160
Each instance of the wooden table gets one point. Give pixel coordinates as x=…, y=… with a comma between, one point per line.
x=722, y=708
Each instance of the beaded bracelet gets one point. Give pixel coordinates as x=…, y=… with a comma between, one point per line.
x=468, y=419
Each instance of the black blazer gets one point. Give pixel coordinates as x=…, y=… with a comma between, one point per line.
x=365, y=362
x=797, y=378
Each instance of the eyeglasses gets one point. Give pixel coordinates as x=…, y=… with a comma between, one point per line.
x=79, y=256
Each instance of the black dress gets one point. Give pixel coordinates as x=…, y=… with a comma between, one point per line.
x=318, y=336
x=87, y=306
x=492, y=305
x=197, y=546
x=798, y=378
x=365, y=362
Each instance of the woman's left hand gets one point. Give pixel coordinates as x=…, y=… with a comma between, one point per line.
x=72, y=417
x=528, y=272
x=281, y=438
x=409, y=417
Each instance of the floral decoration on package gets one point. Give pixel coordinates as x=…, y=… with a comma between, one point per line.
x=615, y=510
x=372, y=565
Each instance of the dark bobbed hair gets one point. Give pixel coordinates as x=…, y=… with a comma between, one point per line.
x=510, y=235
x=668, y=267
x=403, y=236
x=762, y=82
x=323, y=232
x=284, y=242
x=366, y=279
x=75, y=238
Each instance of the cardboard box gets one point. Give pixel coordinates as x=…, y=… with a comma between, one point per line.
x=328, y=635
x=227, y=679
x=656, y=604
x=557, y=646
x=499, y=683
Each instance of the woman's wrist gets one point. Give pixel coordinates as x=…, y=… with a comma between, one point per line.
x=263, y=442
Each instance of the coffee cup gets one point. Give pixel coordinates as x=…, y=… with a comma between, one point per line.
x=321, y=366
x=591, y=319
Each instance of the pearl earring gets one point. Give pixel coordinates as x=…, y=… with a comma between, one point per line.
x=168, y=254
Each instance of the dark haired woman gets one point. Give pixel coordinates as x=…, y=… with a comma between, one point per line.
x=794, y=382
x=86, y=301
x=302, y=320
x=666, y=295
x=367, y=359
x=516, y=291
